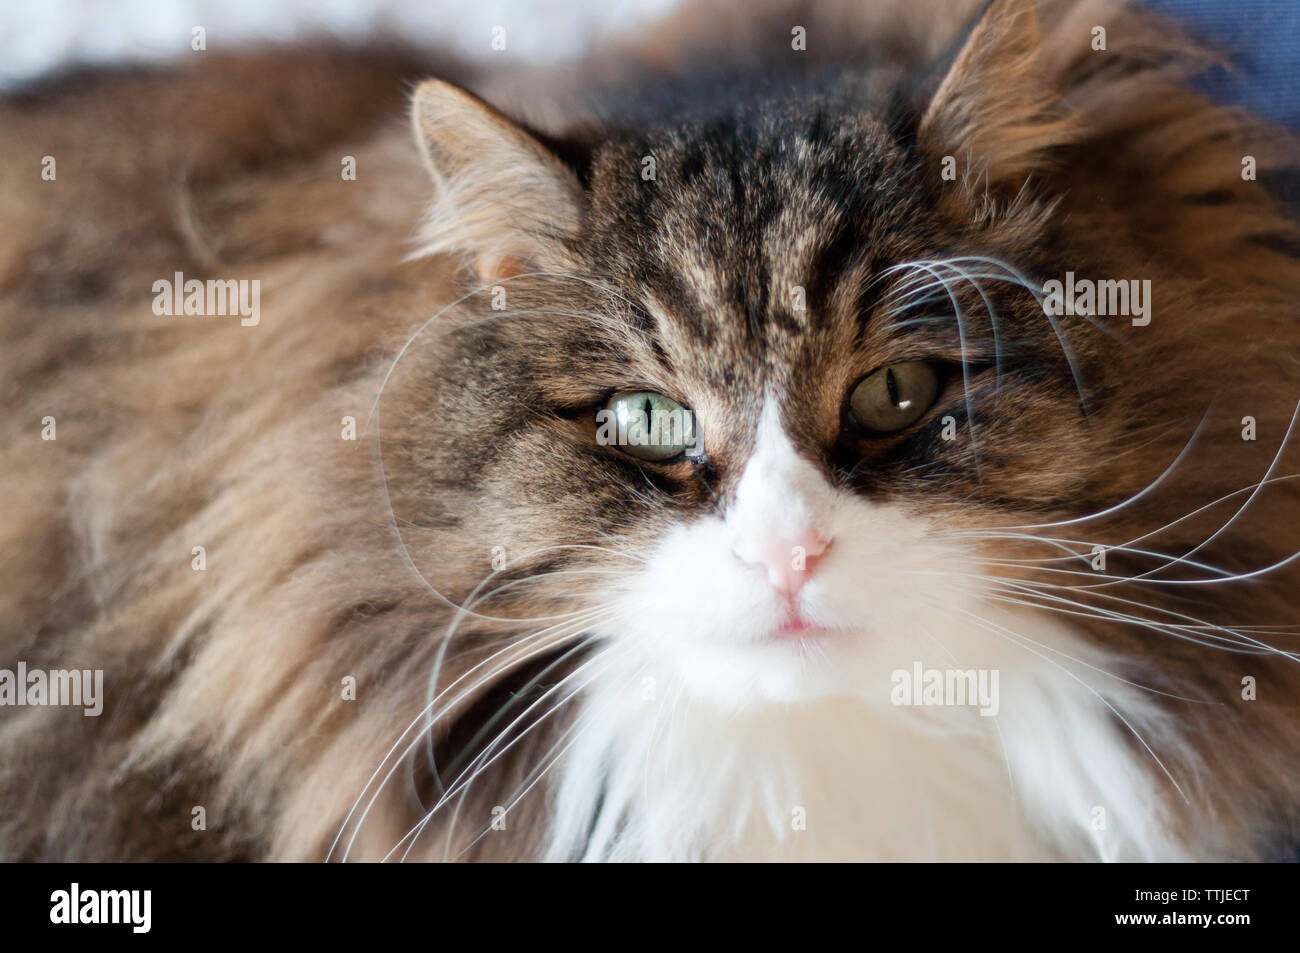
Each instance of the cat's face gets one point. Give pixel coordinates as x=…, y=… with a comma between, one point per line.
x=869, y=374
x=869, y=382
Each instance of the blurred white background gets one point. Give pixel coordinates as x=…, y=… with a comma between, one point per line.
x=37, y=36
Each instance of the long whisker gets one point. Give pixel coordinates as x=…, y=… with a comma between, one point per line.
x=537, y=775
x=1002, y=743
x=961, y=336
x=1250, y=499
x=544, y=766
x=1123, y=504
x=1226, y=576
x=1074, y=555
x=1235, y=637
x=529, y=646
x=473, y=600
x=478, y=765
x=990, y=587
x=1015, y=638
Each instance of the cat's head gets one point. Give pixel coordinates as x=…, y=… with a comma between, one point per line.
x=832, y=305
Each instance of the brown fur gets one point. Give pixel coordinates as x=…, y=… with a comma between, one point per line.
x=224, y=686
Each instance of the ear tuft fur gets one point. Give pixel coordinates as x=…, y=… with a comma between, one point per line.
x=994, y=111
x=502, y=198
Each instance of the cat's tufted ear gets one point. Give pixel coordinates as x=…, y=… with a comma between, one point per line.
x=502, y=198
x=994, y=112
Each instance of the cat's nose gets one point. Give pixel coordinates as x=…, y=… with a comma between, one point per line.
x=789, y=559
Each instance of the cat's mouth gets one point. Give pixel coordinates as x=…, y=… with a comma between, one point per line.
x=795, y=626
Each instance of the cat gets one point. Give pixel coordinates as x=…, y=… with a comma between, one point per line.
x=924, y=563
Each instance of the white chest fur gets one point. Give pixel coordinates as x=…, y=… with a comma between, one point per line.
x=654, y=774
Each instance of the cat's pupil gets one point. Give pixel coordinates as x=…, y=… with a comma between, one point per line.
x=892, y=386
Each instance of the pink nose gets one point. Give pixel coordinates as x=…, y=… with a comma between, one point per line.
x=789, y=562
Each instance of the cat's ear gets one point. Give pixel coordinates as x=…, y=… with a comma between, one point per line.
x=502, y=198
x=993, y=112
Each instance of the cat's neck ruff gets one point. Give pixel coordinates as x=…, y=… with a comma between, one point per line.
x=655, y=774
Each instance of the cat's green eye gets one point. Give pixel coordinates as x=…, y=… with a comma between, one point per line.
x=894, y=397
x=647, y=425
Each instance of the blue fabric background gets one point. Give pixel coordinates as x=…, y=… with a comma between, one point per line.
x=1263, y=38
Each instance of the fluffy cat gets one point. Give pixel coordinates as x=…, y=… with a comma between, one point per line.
x=482, y=629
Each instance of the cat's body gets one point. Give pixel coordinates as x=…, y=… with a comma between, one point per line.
x=633, y=691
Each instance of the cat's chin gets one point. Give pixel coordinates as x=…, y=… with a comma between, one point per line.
x=771, y=666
